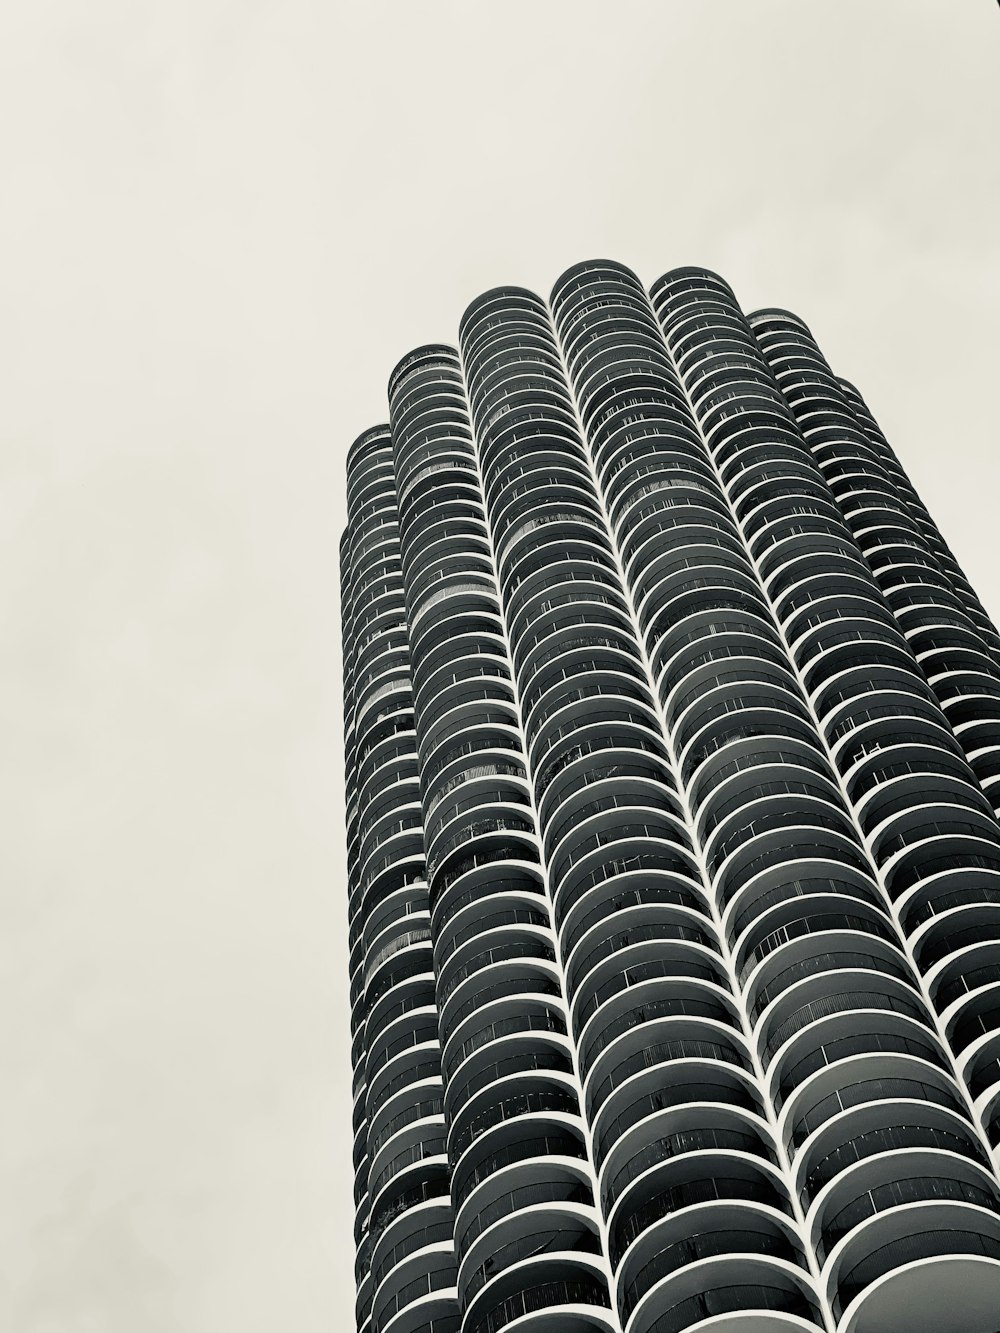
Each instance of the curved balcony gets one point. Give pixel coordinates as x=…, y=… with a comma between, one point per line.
x=425, y=1228
x=549, y=1227
x=618, y=960
x=537, y=1091
x=694, y=1081
x=796, y=910
x=919, y=1268
x=414, y=1066
x=871, y=1027
x=512, y=902
x=545, y=1293
x=501, y=945
x=675, y=1131
x=730, y=1228
x=496, y=1019
x=813, y=954
x=638, y=885
x=491, y=1068
x=700, y=1191
x=873, y=1128
x=647, y=1010
x=860, y=1079
x=518, y=975
x=730, y=1294
x=766, y=723
x=548, y=1140
x=803, y=845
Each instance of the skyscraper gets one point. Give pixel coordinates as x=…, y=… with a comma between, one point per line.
x=673, y=763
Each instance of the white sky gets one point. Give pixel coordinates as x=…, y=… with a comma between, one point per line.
x=222, y=223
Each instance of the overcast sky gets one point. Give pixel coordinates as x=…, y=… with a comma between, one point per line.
x=222, y=222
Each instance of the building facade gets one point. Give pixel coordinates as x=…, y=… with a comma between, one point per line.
x=673, y=769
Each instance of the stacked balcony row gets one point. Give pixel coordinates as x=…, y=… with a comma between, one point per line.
x=406, y=1269
x=527, y=1236
x=699, y=1219
x=866, y=693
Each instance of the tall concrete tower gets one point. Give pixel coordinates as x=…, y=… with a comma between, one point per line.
x=673, y=762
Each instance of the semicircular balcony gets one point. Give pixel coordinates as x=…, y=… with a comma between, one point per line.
x=514, y=1153
x=861, y=1079
x=501, y=344
x=667, y=1045
x=767, y=716
x=871, y=1026
x=694, y=1082
x=487, y=840
x=426, y=1180
x=679, y=1129
x=484, y=949
x=662, y=573
x=976, y=1014
x=636, y=944
x=709, y=714
x=784, y=537
x=501, y=799
x=403, y=954
x=608, y=817
x=776, y=910
x=414, y=1103
x=730, y=1294
x=494, y=1078
x=883, y=1125
x=624, y=853
x=603, y=696
x=775, y=885
x=716, y=585
x=703, y=628
x=910, y=782
x=540, y=587
x=664, y=513
x=457, y=756
x=553, y=557
x=805, y=802
x=552, y=1227
x=814, y=999
x=811, y=953
x=730, y=1227
x=730, y=787
x=945, y=1247
x=602, y=667
x=707, y=1003
x=413, y=1065
x=475, y=652
x=415, y=1027
x=527, y=483
x=563, y=1291
x=425, y=1230
x=405, y=1157
x=428, y=1299
x=542, y=1107
x=938, y=845
x=511, y=902
x=518, y=976
x=689, y=1187
x=399, y=910
x=532, y=1183
x=494, y=1021
x=469, y=725
x=798, y=843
